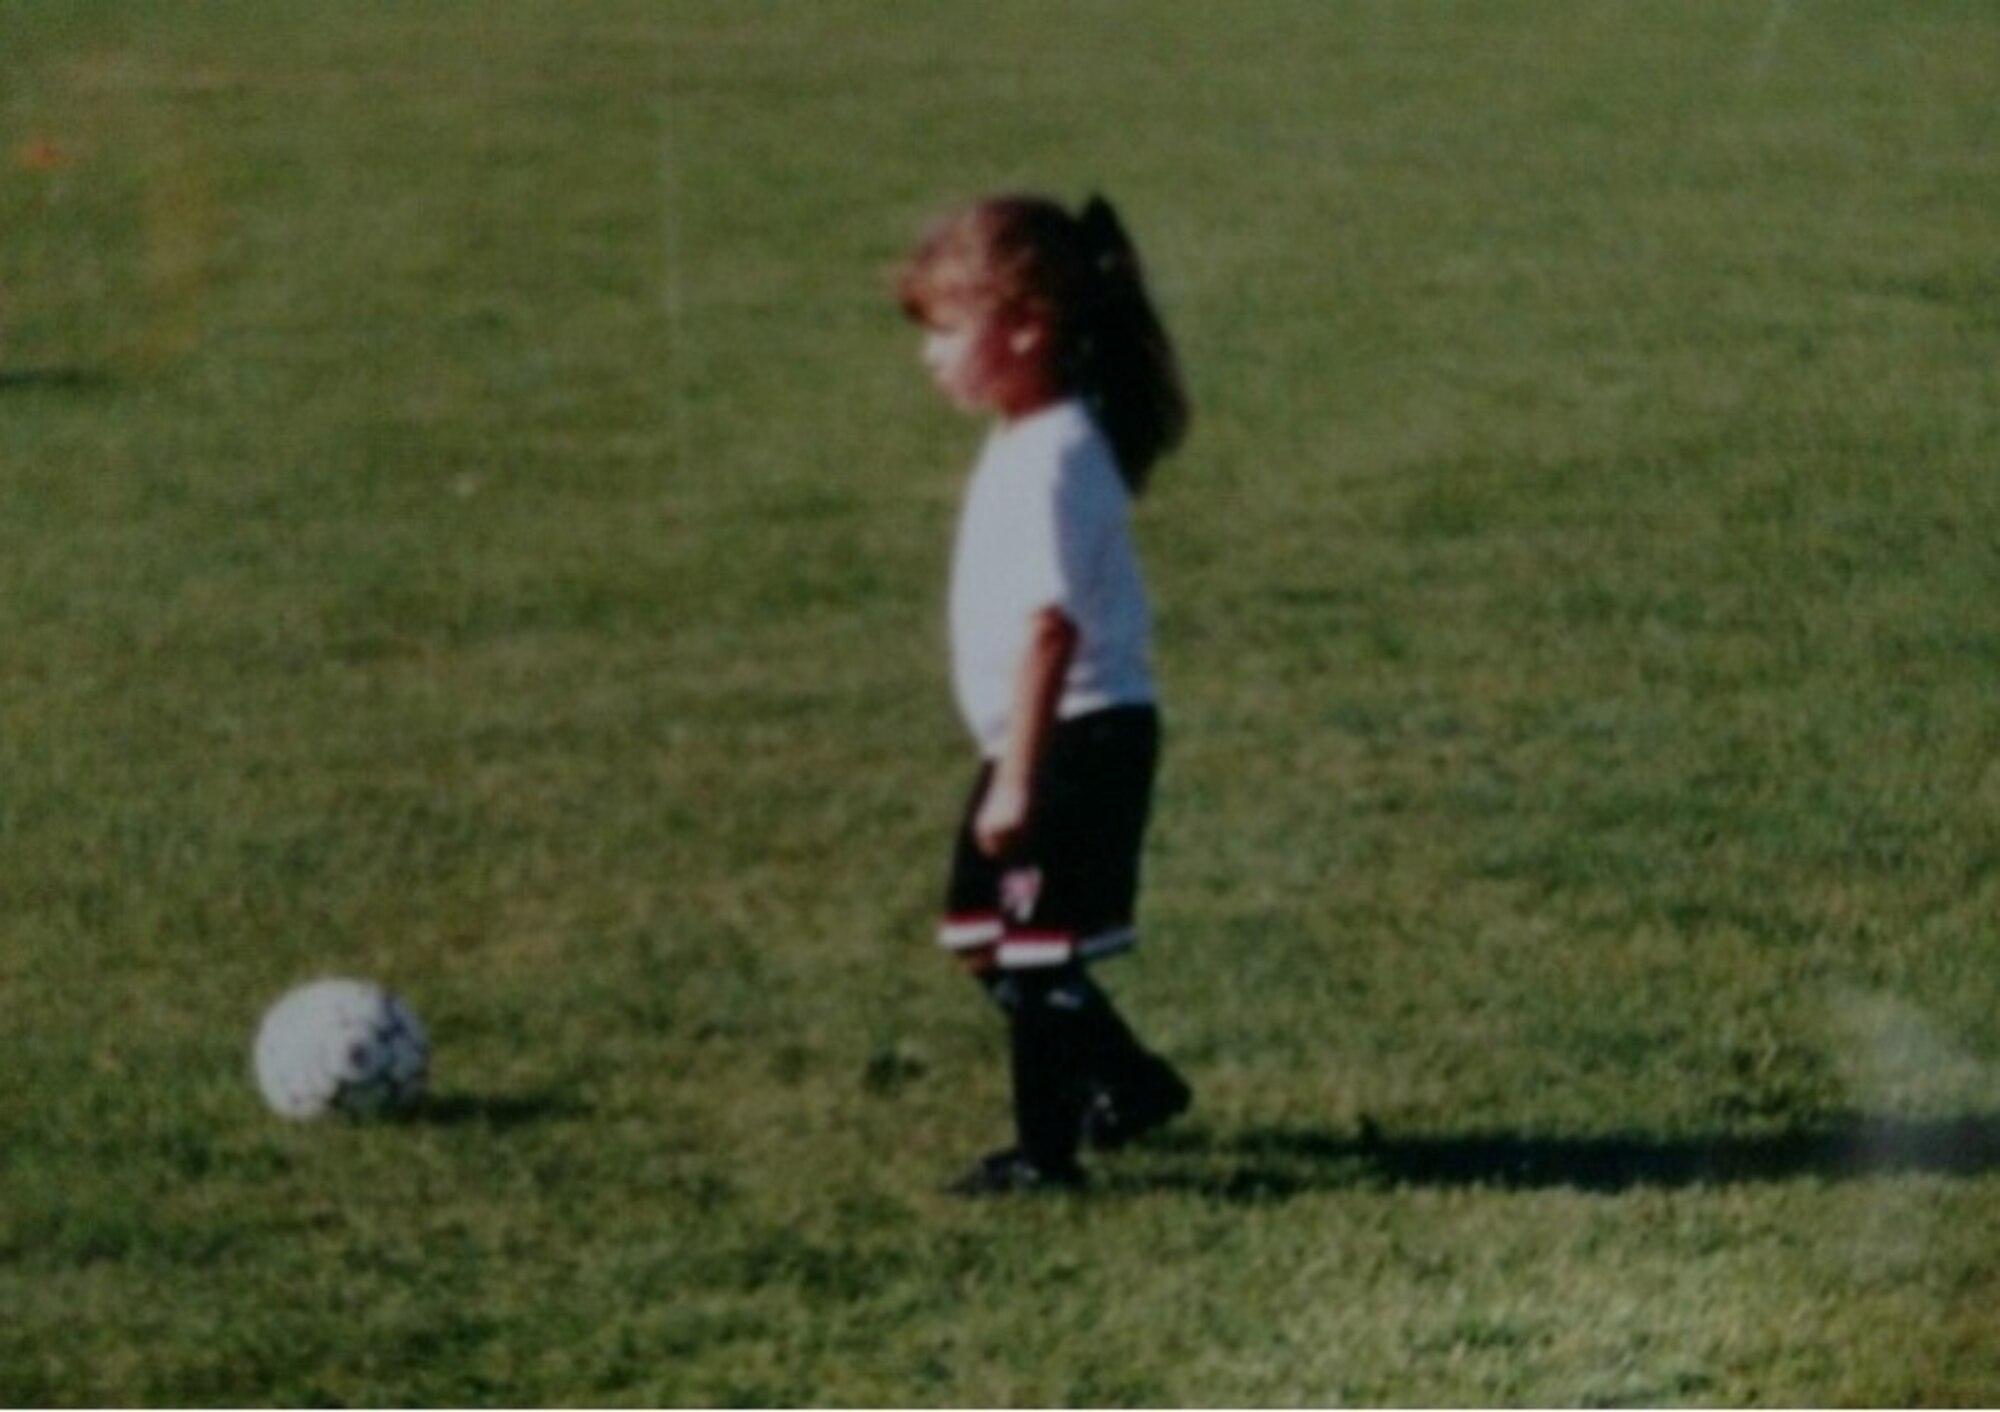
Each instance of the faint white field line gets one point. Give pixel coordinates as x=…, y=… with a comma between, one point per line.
x=673, y=280
x=1767, y=40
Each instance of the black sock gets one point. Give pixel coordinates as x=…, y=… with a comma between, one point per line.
x=1066, y=1042
x=1112, y=1055
x=1050, y=1036
x=1110, y=1051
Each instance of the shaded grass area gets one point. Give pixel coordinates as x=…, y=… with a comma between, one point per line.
x=1275, y=1163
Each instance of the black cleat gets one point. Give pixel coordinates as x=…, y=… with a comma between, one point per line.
x=1013, y=1172
x=1120, y=1114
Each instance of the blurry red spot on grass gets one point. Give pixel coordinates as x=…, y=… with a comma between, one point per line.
x=39, y=154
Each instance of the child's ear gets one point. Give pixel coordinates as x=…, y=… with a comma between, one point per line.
x=1025, y=338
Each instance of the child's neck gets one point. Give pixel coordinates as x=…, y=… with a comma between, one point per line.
x=1031, y=397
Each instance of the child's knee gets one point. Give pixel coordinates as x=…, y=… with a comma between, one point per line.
x=1054, y=992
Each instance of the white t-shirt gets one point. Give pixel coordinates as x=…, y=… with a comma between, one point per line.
x=1046, y=524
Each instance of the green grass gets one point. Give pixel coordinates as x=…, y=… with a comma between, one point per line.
x=470, y=516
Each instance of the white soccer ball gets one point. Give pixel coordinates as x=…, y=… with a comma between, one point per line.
x=342, y=1046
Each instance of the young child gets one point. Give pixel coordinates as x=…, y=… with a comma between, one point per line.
x=1041, y=319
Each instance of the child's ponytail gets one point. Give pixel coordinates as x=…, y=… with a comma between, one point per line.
x=1130, y=375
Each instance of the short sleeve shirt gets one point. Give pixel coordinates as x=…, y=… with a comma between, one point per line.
x=1046, y=524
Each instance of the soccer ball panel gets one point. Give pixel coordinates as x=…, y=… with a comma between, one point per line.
x=339, y=1045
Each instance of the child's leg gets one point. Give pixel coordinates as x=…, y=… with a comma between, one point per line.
x=1079, y=1073
x=1106, y=1049
x=1112, y=1052
x=1048, y=1039
x=1128, y=1089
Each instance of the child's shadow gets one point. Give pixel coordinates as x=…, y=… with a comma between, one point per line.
x=1267, y=1164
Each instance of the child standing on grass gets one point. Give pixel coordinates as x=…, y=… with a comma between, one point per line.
x=1041, y=319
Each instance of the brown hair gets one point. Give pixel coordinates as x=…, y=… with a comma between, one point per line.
x=1079, y=276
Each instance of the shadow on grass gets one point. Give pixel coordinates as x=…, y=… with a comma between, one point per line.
x=1275, y=1163
x=500, y=1112
x=63, y=379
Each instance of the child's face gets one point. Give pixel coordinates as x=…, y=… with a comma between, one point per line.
x=979, y=360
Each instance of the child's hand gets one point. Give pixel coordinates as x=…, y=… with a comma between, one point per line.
x=1002, y=821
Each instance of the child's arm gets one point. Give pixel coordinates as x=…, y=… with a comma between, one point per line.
x=1004, y=813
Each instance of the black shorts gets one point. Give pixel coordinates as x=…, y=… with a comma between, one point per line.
x=1069, y=891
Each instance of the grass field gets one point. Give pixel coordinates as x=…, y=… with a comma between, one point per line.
x=470, y=516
